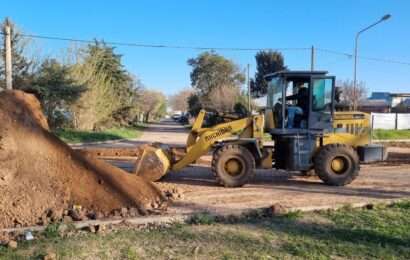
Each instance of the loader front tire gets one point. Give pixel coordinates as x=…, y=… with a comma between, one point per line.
x=233, y=165
x=337, y=164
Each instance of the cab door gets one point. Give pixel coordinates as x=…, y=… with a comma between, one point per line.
x=321, y=103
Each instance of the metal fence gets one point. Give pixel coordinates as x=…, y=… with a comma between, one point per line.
x=390, y=121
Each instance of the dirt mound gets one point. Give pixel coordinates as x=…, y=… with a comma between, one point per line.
x=39, y=173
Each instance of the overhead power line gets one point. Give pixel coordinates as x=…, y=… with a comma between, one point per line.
x=385, y=60
x=166, y=46
x=349, y=55
x=144, y=45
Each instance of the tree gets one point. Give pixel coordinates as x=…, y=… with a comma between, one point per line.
x=179, y=101
x=210, y=71
x=128, y=115
x=266, y=62
x=55, y=90
x=153, y=105
x=109, y=87
x=194, y=104
x=348, y=96
x=22, y=67
x=213, y=74
x=223, y=99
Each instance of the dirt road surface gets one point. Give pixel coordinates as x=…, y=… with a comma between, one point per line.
x=376, y=182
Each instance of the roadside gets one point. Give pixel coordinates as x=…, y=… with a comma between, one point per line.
x=382, y=134
x=380, y=232
x=72, y=136
x=166, y=131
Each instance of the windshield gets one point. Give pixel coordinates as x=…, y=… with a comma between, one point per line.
x=274, y=91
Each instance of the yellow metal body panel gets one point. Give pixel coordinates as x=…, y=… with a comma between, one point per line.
x=200, y=140
x=351, y=128
x=269, y=119
x=266, y=162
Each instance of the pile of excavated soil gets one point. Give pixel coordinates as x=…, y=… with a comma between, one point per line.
x=39, y=173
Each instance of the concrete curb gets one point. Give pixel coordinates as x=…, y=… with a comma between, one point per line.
x=153, y=220
x=182, y=218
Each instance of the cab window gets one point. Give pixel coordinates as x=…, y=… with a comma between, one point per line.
x=322, y=95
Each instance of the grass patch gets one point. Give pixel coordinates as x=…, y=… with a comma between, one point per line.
x=77, y=136
x=380, y=233
x=384, y=134
x=203, y=218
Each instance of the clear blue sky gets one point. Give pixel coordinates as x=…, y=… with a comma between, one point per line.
x=266, y=24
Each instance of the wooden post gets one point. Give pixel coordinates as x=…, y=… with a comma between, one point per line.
x=8, y=61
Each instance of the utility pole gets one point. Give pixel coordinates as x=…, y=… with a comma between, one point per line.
x=249, y=90
x=8, y=62
x=312, y=58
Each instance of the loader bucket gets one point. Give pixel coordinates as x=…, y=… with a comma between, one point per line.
x=153, y=163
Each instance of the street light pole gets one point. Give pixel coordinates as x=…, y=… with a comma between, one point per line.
x=384, y=18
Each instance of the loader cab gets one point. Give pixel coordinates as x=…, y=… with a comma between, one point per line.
x=300, y=100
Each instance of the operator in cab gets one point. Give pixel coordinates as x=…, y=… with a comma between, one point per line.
x=297, y=114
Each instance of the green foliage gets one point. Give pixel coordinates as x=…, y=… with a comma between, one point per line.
x=240, y=109
x=385, y=134
x=77, y=136
x=51, y=230
x=110, y=89
x=266, y=62
x=203, y=218
x=55, y=90
x=194, y=104
x=216, y=80
x=211, y=71
x=153, y=105
x=293, y=215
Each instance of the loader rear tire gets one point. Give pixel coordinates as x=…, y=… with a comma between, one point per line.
x=233, y=165
x=337, y=164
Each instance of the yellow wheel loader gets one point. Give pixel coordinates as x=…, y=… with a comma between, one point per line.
x=308, y=136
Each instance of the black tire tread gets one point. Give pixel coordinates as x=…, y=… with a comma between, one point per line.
x=229, y=148
x=321, y=161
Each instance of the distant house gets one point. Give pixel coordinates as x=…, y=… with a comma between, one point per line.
x=374, y=105
x=381, y=95
x=381, y=102
x=398, y=98
x=367, y=105
x=397, y=102
x=402, y=107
